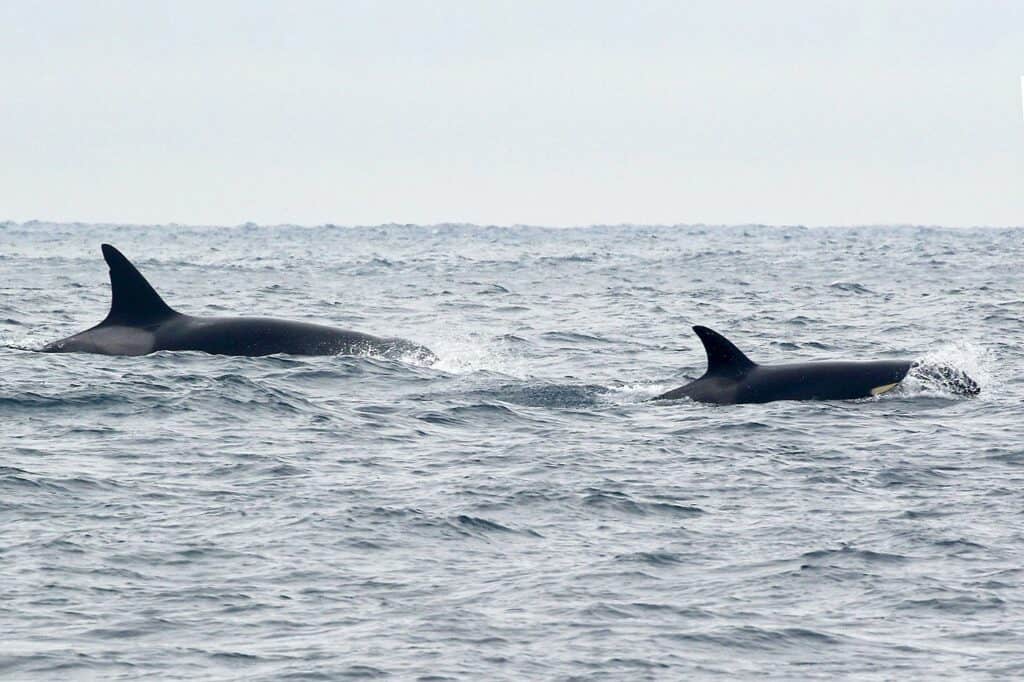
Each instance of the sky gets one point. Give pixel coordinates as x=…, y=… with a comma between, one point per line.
x=543, y=113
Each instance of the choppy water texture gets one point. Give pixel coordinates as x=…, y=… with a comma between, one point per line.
x=515, y=511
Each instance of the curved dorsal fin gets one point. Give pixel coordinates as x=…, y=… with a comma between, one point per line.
x=133, y=300
x=723, y=356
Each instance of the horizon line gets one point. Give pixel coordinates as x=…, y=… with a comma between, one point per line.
x=453, y=223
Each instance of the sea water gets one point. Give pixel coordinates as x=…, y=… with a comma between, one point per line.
x=515, y=510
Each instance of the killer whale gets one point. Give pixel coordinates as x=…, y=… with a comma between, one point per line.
x=733, y=378
x=140, y=322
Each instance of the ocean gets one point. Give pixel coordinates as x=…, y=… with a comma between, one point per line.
x=515, y=510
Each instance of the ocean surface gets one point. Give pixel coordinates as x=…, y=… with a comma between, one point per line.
x=515, y=510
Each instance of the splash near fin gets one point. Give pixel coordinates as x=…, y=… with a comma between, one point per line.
x=133, y=300
x=723, y=356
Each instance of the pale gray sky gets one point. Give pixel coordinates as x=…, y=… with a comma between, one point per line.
x=553, y=113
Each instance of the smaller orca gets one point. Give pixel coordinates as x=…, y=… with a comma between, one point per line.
x=733, y=378
x=139, y=322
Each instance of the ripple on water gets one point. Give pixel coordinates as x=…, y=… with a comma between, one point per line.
x=514, y=510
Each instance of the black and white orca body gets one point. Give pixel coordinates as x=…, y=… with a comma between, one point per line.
x=733, y=378
x=140, y=322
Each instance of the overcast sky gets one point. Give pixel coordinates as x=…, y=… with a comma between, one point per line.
x=548, y=113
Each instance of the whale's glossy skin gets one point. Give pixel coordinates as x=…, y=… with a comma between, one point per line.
x=140, y=322
x=732, y=378
x=252, y=336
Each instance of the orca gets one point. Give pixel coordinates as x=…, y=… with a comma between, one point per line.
x=139, y=322
x=733, y=378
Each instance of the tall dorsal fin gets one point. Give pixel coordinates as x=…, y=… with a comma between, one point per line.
x=723, y=356
x=133, y=300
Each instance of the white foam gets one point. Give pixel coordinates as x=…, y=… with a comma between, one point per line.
x=459, y=354
x=964, y=356
x=638, y=393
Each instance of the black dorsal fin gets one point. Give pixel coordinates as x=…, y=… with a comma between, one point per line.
x=723, y=356
x=133, y=300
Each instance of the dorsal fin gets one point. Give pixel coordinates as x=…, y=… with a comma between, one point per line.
x=723, y=356
x=133, y=300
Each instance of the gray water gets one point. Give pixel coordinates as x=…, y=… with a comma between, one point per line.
x=516, y=510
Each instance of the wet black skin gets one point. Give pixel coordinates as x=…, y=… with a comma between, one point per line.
x=733, y=378
x=140, y=322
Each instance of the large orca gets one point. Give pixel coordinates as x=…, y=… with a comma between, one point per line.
x=139, y=322
x=733, y=378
